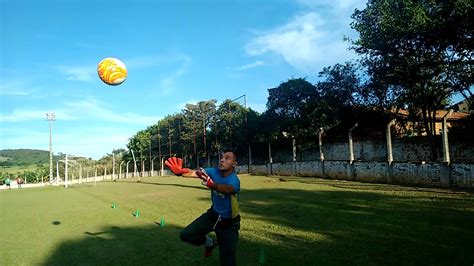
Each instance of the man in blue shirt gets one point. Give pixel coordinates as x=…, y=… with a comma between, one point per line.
x=223, y=217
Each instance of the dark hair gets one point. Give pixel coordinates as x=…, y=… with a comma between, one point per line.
x=233, y=151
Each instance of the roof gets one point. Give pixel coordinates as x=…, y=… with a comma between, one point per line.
x=439, y=114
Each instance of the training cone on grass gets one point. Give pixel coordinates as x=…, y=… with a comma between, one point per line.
x=261, y=257
x=136, y=213
x=114, y=205
x=162, y=223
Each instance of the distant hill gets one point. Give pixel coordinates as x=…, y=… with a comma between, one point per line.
x=22, y=157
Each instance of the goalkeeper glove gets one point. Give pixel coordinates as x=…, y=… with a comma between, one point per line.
x=206, y=179
x=176, y=166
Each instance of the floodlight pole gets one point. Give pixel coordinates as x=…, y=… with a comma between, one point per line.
x=50, y=117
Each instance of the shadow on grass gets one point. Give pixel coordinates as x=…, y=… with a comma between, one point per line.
x=165, y=184
x=303, y=227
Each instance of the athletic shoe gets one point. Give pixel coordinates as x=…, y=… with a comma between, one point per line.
x=208, y=250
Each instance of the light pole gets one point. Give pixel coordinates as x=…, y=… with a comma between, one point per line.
x=50, y=117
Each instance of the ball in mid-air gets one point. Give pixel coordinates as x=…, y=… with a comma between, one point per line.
x=112, y=71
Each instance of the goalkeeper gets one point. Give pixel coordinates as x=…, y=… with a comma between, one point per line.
x=223, y=216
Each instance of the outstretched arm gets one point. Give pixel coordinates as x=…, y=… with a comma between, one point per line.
x=175, y=164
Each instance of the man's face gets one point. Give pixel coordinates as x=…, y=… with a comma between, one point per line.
x=227, y=162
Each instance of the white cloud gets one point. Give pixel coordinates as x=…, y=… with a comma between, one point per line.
x=305, y=42
x=97, y=110
x=249, y=66
x=23, y=115
x=144, y=61
x=168, y=83
x=334, y=5
x=313, y=38
x=79, y=73
x=16, y=88
x=85, y=109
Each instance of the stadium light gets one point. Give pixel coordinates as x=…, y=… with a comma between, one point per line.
x=50, y=117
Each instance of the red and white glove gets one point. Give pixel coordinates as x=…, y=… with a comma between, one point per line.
x=206, y=179
x=176, y=166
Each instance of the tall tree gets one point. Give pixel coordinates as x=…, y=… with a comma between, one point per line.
x=423, y=48
x=291, y=106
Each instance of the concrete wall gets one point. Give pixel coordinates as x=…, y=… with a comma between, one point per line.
x=425, y=174
x=376, y=150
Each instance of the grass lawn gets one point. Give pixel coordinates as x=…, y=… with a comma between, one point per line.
x=296, y=221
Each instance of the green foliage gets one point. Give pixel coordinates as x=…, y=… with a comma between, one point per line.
x=23, y=157
x=292, y=104
x=423, y=50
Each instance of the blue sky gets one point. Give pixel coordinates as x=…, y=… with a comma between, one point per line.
x=176, y=52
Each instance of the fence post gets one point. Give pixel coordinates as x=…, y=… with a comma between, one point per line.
x=351, y=153
x=389, y=151
x=445, y=165
x=270, y=159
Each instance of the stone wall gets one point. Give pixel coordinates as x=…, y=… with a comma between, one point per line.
x=405, y=150
x=405, y=173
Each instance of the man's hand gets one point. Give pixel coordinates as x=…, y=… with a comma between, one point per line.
x=176, y=166
x=206, y=179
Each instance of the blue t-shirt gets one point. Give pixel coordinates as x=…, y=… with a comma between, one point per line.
x=224, y=204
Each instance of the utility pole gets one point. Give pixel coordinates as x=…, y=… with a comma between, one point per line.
x=50, y=117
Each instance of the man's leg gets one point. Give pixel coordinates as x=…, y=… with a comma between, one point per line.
x=227, y=238
x=195, y=233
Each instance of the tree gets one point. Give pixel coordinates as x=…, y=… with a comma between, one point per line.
x=196, y=121
x=229, y=125
x=292, y=107
x=423, y=49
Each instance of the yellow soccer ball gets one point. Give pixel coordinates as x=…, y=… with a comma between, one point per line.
x=112, y=71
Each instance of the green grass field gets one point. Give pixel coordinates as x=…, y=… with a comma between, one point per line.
x=296, y=221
